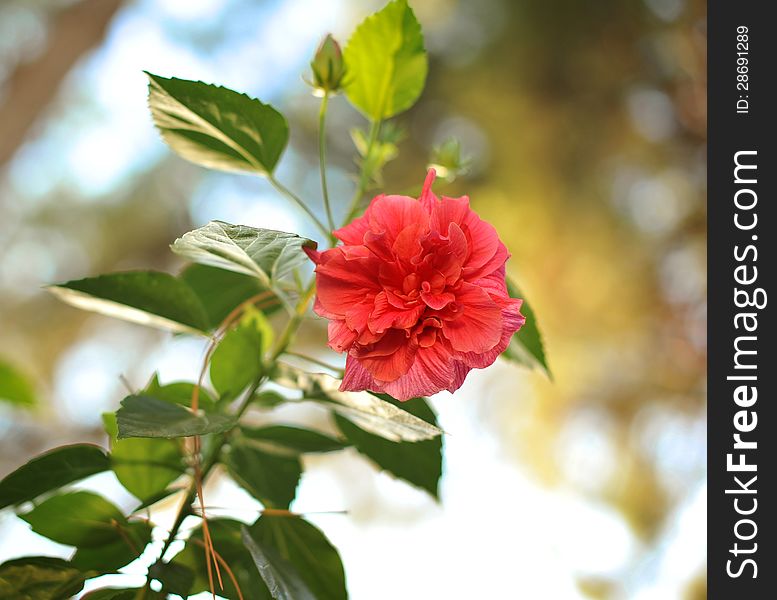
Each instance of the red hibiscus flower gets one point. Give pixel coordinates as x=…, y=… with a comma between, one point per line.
x=416, y=295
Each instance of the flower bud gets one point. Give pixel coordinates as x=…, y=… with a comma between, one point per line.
x=327, y=65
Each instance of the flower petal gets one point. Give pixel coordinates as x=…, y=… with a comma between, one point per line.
x=478, y=325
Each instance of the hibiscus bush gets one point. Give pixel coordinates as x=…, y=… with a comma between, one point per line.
x=415, y=295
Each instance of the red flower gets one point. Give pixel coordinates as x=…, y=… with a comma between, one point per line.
x=416, y=295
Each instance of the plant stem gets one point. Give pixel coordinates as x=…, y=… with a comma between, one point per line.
x=322, y=161
x=353, y=208
x=294, y=321
x=298, y=201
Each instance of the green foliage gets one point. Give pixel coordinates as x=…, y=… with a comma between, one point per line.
x=448, y=161
x=117, y=594
x=51, y=471
x=220, y=290
x=292, y=439
x=271, y=478
x=15, y=387
x=148, y=417
x=526, y=347
x=80, y=519
x=386, y=62
x=238, y=359
x=175, y=578
x=128, y=544
x=178, y=392
x=265, y=254
x=419, y=463
x=307, y=549
x=145, y=466
x=283, y=580
x=216, y=127
x=145, y=297
x=39, y=578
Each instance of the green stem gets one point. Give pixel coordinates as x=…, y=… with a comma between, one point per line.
x=213, y=460
x=315, y=361
x=298, y=201
x=353, y=208
x=294, y=322
x=322, y=161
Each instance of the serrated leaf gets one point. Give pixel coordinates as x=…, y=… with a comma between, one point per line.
x=39, y=578
x=526, y=346
x=129, y=543
x=178, y=392
x=220, y=291
x=144, y=466
x=50, y=471
x=265, y=254
x=148, y=417
x=386, y=63
x=239, y=357
x=282, y=579
x=419, y=463
x=80, y=519
x=369, y=412
x=305, y=548
x=270, y=478
x=293, y=439
x=15, y=387
x=216, y=127
x=146, y=297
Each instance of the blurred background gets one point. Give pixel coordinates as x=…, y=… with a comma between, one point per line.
x=586, y=124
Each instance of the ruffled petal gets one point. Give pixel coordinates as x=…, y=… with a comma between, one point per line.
x=512, y=320
x=433, y=370
x=477, y=326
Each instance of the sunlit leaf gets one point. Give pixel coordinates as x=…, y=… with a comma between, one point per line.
x=178, y=392
x=128, y=543
x=145, y=297
x=39, y=578
x=369, y=412
x=80, y=519
x=216, y=127
x=238, y=358
x=148, y=417
x=15, y=387
x=419, y=463
x=50, y=471
x=526, y=347
x=386, y=62
x=144, y=466
x=293, y=439
x=265, y=254
x=307, y=549
x=270, y=478
x=282, y=579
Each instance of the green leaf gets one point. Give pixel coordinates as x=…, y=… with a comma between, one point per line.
x=175, y=578
x=366, y=410
x=149, y=417
x=282, y=578
x=220, y=291
x=526, y=347
x=144, y=466
x=39, y=578
x=81, y=519
x=227, y=539
x=265, y=254
x=145, y=297
x=238, y=358
x=15, y=387
x=386, y=62
x=216, y=127
x=178, y=392
x=419, y=463
x=50, y=471
x=129, y=543
x=271, y=478
x=117, y=594
x=307, y=549
x=293, y=439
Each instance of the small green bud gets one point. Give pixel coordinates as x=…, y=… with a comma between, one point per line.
x=328, y=67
